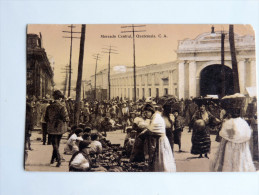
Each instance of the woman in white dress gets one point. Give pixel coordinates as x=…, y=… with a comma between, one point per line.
x=162, y=159
x=233, y=154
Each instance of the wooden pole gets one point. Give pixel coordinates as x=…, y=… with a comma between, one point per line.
x=70, y=63
x=234, y=59
x=95, y=93
x=223, y=89
x=79, y=76
x=134, y=66
x=109, y=75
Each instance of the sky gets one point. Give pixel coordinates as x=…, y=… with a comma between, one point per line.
x=158, y=50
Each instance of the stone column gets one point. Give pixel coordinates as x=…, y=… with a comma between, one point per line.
x=161, y=86
x=181, y=80
x=153, y=86
x=170, y=83
x=140, y=87
x=192, y=79
x=241, y=74
x=173, y=83
x=252, y=73
x=146, y=86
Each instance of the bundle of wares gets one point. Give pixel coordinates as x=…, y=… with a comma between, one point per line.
x=114, y=159
x=234, y=103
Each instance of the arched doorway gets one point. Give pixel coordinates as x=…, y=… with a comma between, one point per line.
x=211, y=80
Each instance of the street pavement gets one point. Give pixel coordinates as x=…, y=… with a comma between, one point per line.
x=39, y=157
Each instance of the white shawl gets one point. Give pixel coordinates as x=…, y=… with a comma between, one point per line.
x=236, y=130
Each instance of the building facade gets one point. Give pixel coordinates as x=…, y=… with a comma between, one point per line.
x=151, y=81
x=196, y=72
x=199, y=60
x=98, y=90
x=39, y=72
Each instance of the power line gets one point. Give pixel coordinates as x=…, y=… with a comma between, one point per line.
x=71, y=42
x=133, y=31
x=96, y=57
x=109, y=51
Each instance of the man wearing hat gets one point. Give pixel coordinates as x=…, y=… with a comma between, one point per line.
x=56, y=118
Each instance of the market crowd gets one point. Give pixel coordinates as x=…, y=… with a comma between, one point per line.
x=152, y=129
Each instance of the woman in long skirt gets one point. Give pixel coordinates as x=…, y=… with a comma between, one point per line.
x=233, y=154
x=169, y=121
x=201, y=135
x=162, y=159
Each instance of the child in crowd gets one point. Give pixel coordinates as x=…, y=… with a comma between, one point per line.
x=129, y=140
x=72, y=143
x=80, y=161
x=87, y=137
x=95, y=146
x=73, y=128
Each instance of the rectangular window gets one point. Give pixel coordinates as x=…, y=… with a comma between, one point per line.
x=137, y=92
x=143, y=92
x=165, y=81
x=157, y=92
x=166, y=91
x=149, y=92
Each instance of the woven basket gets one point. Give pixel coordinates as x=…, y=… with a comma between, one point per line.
x=230, y=103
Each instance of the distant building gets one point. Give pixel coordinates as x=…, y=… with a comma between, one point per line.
x=196, y=72
x=102, y=82
x=39, y=71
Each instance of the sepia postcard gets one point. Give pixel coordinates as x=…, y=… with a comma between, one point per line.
x=141, y=98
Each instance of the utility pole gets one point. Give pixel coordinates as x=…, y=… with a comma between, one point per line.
x=223, y=88
x=83, y=83
x=134, y=57
x=233, y=58
x=70, y=59
x=65, y=84
x=96, y=57
x=66, y=78
x=79, y=75
x=109, y=51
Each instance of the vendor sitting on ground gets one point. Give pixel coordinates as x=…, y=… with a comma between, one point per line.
x=105, y=143
x=72, y=143
x=80, y=161
x=106, y=125
x=95, y=146
x=87, y=130
x=87, y=137
x=72, y=131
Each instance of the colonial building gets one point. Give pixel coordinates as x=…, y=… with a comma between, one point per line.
x=151, y=80
x=196, y=72
x=39, y=71
x=199, y=63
